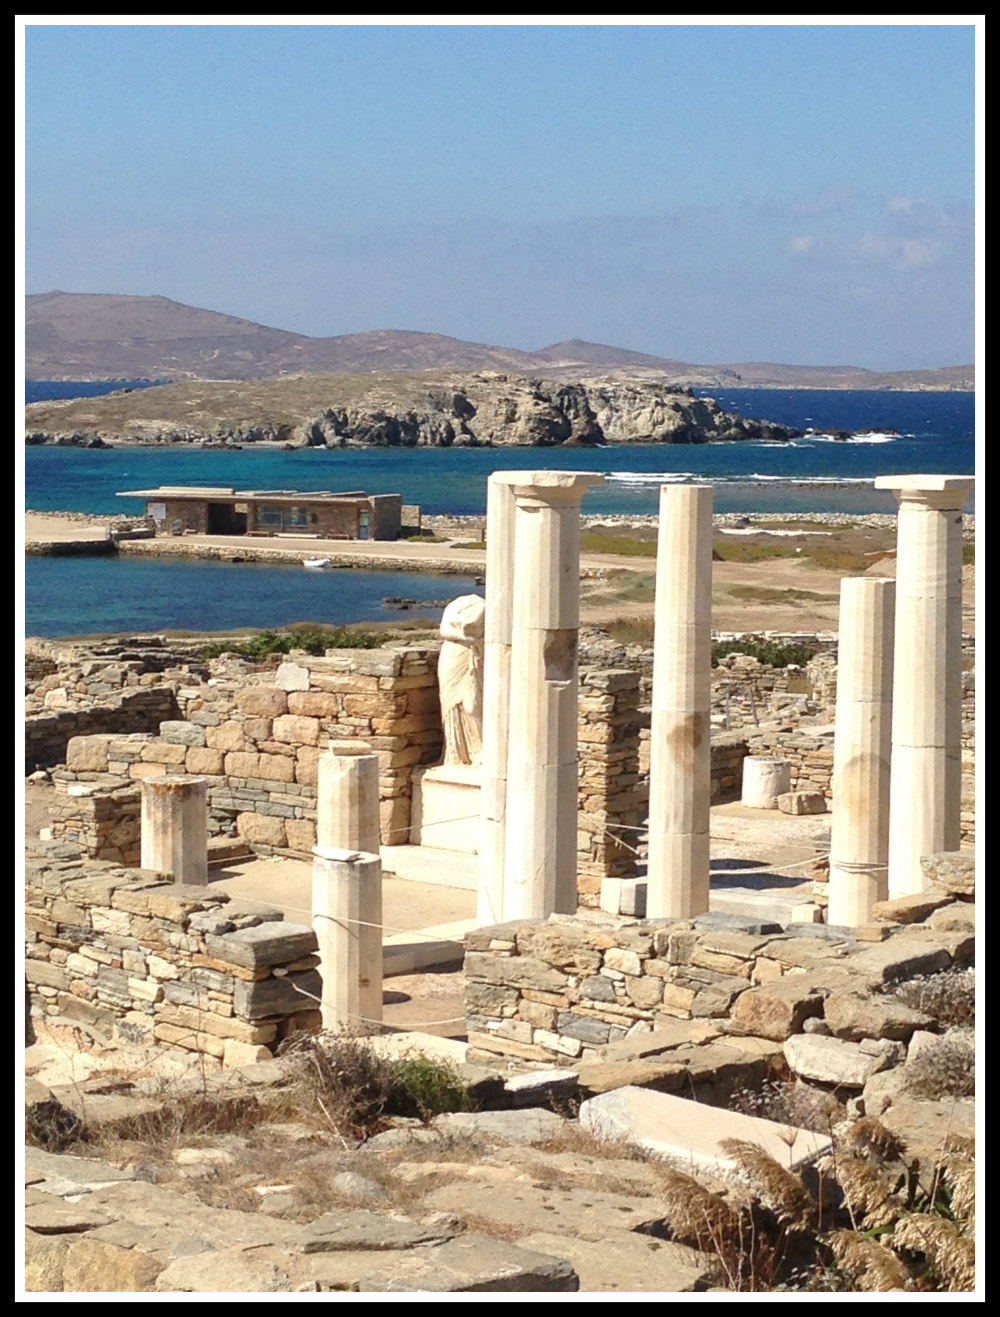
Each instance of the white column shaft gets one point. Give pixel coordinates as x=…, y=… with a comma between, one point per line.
x=925, y=790
x=347, y=800
x=680, y=743
x=859, y=834
x=174, y=827
x=540, y=853
x=500, y=508
x=347, y=919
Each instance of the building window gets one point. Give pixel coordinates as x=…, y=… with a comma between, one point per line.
x=298, y=518
x=269, y=516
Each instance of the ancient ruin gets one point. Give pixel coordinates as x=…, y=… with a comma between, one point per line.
x=682, y=883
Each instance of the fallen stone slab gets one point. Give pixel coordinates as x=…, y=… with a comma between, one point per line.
x=263, y=945
x=688, y=1134
x=628, y=1263
x=44, y=1256
x=717, y=921
x=802, y=802
x=473, y=1264
x=361, y=1231
x=911, y=909
x=573, y=1169
x=666, y=1076
x=834, y=1061
x=537, y=1087
x=585, y=1213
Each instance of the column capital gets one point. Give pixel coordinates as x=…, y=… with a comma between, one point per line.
x=550, y=486
x=939, y=492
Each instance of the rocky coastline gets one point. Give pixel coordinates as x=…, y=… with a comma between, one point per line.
x=483, y=409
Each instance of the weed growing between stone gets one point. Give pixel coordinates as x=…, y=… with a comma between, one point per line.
x=871, y=1223
x=948, y=997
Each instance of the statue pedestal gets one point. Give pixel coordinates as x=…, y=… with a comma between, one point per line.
x=445, y=809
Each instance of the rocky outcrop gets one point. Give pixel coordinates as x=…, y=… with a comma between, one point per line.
x=484, y=408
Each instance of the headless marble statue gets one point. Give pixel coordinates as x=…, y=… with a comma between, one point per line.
x=460, y=679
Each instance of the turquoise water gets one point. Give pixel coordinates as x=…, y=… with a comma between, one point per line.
x=814, y=474
x=83, y=596
x=73, y=596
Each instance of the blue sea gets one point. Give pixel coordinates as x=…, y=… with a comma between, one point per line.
x=901, y=432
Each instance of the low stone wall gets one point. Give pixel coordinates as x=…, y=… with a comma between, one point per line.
x=587, y=988
x=105, y=819
x=144, y=960
x=810, y=755
x=47, y=734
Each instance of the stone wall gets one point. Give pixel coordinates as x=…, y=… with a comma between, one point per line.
x=612, y=802
x=47, y=733
x=257, y=738
x=586, y=988
x=103, y=818
x=144, y=960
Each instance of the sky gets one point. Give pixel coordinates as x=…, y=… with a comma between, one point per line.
x=799, y=192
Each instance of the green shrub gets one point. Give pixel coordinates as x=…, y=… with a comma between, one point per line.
x=770, y=652
x=421, y=1086
x=312, y=638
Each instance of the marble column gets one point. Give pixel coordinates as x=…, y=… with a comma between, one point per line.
x=496, y=693
x=540, y=853
x=174, y=827
x=347, y=800
x=680, y=730
x=347, y=919
x=926, y=787
x=859, y=832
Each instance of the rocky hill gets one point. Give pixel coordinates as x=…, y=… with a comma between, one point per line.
x=396, y=409
x=98, y=336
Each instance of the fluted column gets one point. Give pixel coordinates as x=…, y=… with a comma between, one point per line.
x=926, y=789
x=500, y=505
x=174, y=827
x=540, y=853
x=859, y=833
x=680, y=747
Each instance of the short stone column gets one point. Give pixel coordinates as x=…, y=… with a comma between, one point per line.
x=500, y=507
x=347, y=920
x=926, y=790
x=174, y=827
x=764, y=780
x=540, y=853
x=680, y=732
x=347, y=799
x=859, y=833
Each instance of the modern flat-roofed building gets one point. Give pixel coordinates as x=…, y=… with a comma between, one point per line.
x=319, y=514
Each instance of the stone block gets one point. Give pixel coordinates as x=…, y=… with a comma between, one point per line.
x=567, y=949
x=833, y=1060
x=261, y=830
x=227, y=737
x=291, y=677
x=294, y=729
x=202, y=761
x=777, y=1010
x=88, y=754
x=802, y=802
x=182, y=733
x=266, y=701
x=902, y=957
x=911, y=909
x=276, y=943
x=284, y=996
x=514, y=971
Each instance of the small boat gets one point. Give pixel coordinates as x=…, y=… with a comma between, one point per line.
x=316, y=563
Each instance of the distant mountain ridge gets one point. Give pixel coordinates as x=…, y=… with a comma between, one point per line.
x=107, y=336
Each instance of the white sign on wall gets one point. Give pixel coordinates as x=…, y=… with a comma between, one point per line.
x=158, y=511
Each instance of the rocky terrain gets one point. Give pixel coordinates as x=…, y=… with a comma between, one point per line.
x=97, y=336
x=396, y=410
